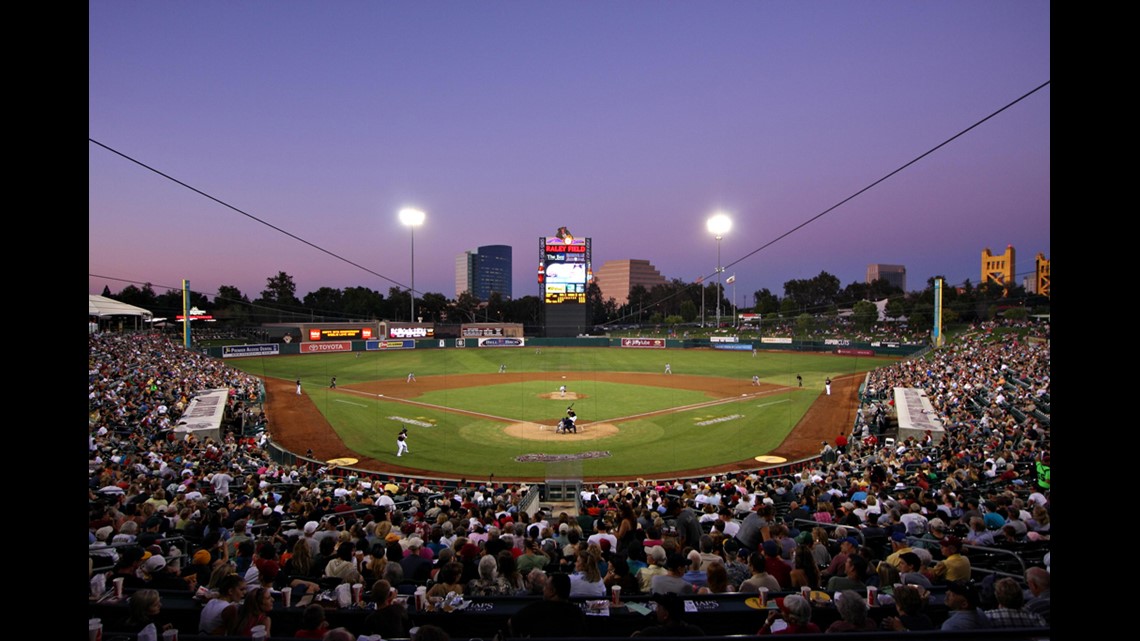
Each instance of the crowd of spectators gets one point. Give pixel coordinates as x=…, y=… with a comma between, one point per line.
x=224, y=521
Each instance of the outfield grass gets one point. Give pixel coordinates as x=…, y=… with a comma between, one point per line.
x=460, y=445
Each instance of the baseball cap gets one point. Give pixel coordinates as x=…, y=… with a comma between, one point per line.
x=155, y=563
x=898, y=536
x=965, y=589
x=850, y=539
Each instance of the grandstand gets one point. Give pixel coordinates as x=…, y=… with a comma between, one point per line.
x=174, y=511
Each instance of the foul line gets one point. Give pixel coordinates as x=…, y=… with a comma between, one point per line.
x=341, y=400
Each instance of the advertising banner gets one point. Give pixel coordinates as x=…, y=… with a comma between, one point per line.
x=404, y=344
x=649, y=343
x=325, y=348
x=235, y=351
x=501, y=342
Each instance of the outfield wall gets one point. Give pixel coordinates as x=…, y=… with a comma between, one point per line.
x=834, y=346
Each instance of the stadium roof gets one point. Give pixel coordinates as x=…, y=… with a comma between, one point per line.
x=103, y=306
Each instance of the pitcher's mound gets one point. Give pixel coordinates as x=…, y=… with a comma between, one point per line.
x=570, y=396
x=538, y=432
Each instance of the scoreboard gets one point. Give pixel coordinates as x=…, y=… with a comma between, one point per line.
x=564, y=270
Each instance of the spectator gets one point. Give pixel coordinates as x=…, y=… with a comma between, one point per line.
x=254, y=611
x=220, y=614
x=586, y=581
x=855, y=578
x=804, y=569
x=694, y=575
x=796, y=613
x=553, y=616
x=776, y=566
x=145, y=610
x=909, y=603
x=962, y=601
x=909, y=571
x=390, y=619
x=954, y=566
x=717, y=577
x=343, y=565
x=313, y=623
x=671, y=622
x=760, y=577
x=852, y=610
x=1011, y=612
x=655, y=557
x=1038, y=581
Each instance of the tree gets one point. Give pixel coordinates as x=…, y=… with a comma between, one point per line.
x=526, y=310
x=688, y=311
x=814, y=294
x=597, y=310
x=229, y=295
x=638, y=297
x=325, y=301
x=132, y=295
x=921, y=316
x=788, y=307
x=362, y=303
x=865, y=314
x=231, y=306
x=397, y=306
x=281, y=291
x=804, y=323
x=466, y=307
x=766, y=302
x=434, y=304
x=895, y=308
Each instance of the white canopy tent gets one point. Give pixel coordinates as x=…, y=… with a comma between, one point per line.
x=101, y=308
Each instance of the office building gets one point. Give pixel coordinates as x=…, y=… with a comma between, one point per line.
x=483, y=271
x=893, y=274
x=617, y=277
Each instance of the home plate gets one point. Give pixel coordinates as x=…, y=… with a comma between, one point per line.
x=771, y=459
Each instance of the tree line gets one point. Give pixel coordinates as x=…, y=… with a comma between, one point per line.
x=671, y=303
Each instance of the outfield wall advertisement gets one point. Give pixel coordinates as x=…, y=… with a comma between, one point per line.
x=645, y=343
x=404, y=344
x=325, y=348
x=502, y=342
x=235, y=351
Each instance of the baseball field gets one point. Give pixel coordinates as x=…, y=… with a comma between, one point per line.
x=467, y=419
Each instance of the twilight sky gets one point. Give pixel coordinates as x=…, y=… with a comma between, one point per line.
x=629, y=122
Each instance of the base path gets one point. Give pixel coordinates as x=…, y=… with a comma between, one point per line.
x=298, y=426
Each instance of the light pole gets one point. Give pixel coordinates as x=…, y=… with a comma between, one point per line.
x=718, y=225
x=412, y=218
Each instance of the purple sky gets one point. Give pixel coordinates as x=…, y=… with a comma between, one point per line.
x=629, y=122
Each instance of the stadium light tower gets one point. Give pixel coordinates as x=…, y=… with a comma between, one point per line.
x=718, y=225
x=412, y=218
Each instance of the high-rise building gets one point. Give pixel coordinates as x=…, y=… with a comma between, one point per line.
x=999, y=268
x=617, y=277
x=893, y=274
x=483, y=271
